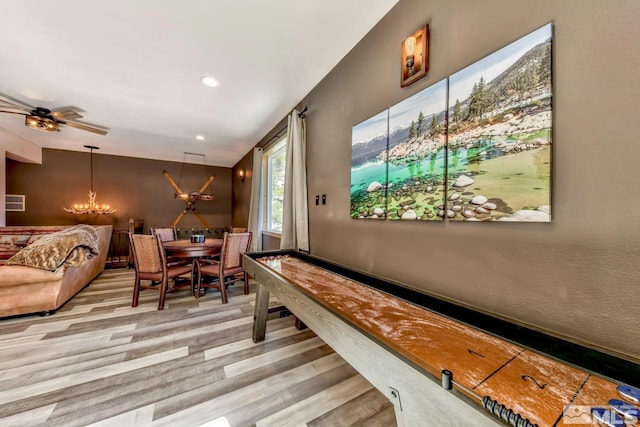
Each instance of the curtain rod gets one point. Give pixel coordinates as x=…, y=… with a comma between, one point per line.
x=278, y=134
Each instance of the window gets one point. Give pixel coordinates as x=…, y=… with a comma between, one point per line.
x=274, y=173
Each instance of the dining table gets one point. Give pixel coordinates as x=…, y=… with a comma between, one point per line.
x=185, y=248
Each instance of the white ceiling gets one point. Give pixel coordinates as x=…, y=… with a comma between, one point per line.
x=134, y=66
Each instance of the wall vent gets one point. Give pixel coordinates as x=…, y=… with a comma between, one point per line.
x=14, y=203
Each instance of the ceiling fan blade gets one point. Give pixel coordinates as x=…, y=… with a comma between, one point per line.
x=85, y=126
x=63, y=115
x=14, y=103
x=13, y=111
x=66, y=113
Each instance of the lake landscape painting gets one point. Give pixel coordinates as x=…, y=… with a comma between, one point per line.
x=475, y=146
x=499, y=135
x=416, y=156
x=368, y=170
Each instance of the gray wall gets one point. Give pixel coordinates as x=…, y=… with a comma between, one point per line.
x=578, y=276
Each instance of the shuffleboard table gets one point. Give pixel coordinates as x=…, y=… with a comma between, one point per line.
x=440, y=363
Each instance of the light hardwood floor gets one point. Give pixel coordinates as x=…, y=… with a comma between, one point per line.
x=98, y=361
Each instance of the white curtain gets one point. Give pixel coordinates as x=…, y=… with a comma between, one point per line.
x=295, y=218
x=255, y=206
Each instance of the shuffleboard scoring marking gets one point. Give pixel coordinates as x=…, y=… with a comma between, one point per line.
x=492, y=406
x=541, y=386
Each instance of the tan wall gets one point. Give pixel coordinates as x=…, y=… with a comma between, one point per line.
x=242, y=191
x=134, y=186
x=579, y=275
x=16, y=148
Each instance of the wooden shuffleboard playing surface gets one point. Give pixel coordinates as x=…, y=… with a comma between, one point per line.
x=542, y=389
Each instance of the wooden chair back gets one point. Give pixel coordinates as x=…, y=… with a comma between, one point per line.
x=233, y=246
x=239, y=229
x=167, y=234
x=148, y=255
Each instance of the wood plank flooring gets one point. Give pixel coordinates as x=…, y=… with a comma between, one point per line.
x=100, y=362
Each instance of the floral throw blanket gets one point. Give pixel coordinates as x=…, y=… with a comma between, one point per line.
x=70, y=247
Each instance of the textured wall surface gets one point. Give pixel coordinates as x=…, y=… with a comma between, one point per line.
x=577, y=276
x=241, y=191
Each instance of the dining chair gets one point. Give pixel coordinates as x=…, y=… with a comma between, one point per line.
x=166, y=234
x=228, y=269
x=150, y=263
x=239, y=229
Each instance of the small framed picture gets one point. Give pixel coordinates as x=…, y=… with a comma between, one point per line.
x=414, y=53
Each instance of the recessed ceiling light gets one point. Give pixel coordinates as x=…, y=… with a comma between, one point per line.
x=209, y=81
x=200, y=137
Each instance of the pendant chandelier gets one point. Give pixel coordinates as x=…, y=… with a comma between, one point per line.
x=91, y=208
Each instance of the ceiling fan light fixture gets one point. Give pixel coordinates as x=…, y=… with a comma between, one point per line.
x=41, y=123
x=209, y=81
x=200, y=137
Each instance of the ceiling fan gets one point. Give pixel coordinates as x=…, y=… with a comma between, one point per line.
x=44, y=119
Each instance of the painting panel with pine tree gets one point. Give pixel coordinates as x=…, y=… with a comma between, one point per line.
x=499, y=135
x=416, y=156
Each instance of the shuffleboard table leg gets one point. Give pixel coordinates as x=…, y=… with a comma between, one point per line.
x=300, y=325
x=260, y=314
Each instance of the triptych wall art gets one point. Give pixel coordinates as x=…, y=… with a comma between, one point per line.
x=475, y=146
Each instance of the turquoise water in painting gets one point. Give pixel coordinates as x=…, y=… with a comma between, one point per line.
x=433, y=166
x=362, y=176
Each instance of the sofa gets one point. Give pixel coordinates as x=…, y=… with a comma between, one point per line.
x=25, y=289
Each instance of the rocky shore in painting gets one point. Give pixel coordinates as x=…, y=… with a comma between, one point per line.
x=414, y=199
x=369, y=204
x=412, y=150
x=422, y=200
x=469, y=206
x=468, y=197
x=518, y=130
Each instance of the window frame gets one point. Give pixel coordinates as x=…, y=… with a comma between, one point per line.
x=279, y=148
